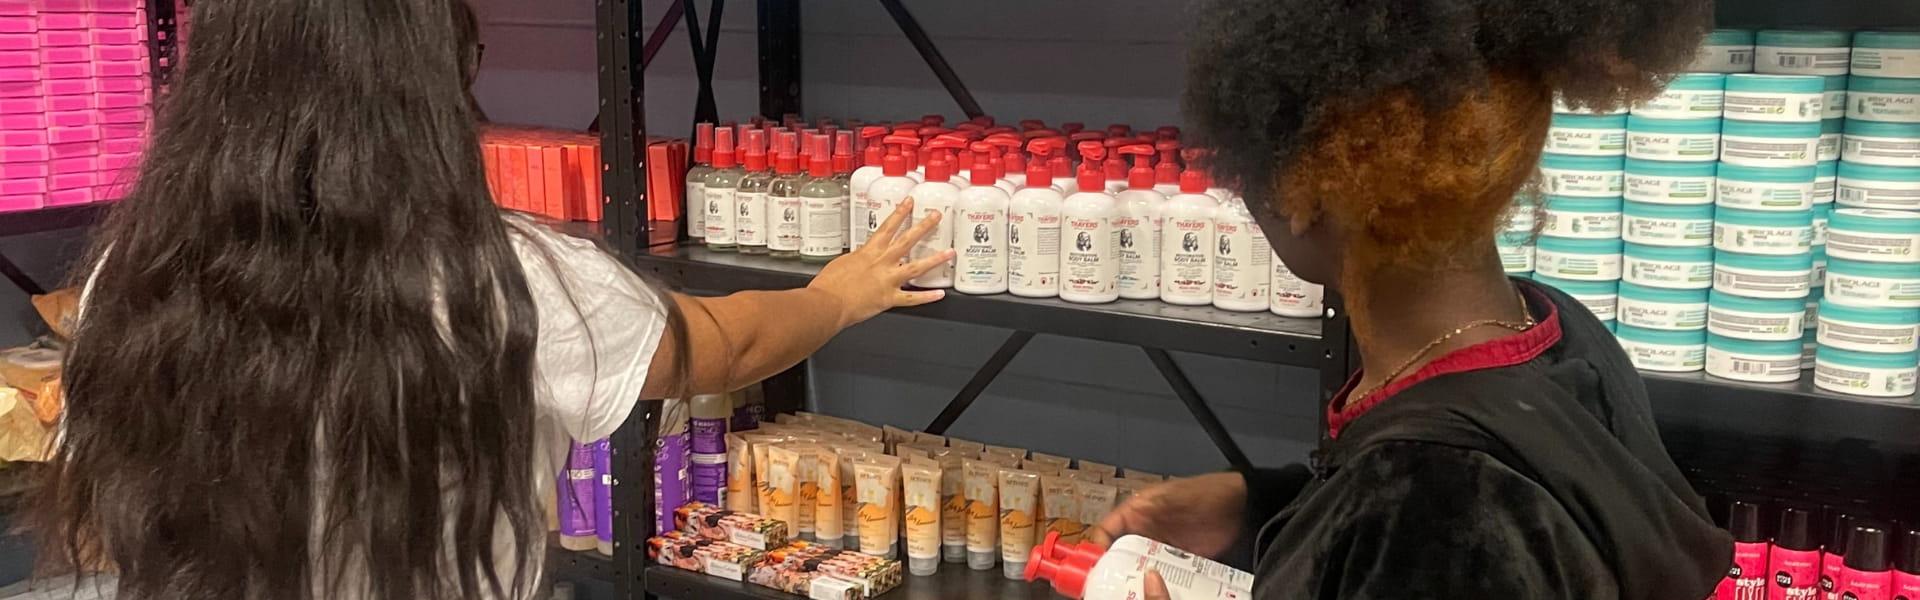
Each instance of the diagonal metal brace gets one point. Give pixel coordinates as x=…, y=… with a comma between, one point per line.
x=981, y=378
x=1209, y=422
x=931, y=54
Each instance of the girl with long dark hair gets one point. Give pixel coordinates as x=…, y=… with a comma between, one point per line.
x=316, y=361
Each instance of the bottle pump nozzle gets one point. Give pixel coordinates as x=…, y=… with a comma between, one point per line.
x=1119, y=130
x=822, y=161
x=1168, y=169
x=876, y=150
x=896, y=163
x=723, y=148
x=1092, y=175
x=1072, y=128
x=933, y=120
x=983, y=172
x=786, y=157
x=982, y=120
x=1168, y=132
x=1032, y=124
x=1140, y=177
x=843, y=152
x=703, y=143
x=940, y=166
x=1065, y=567
x=1040, y=171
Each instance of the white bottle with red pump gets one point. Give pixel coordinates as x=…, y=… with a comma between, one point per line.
x=1015, y=163
x=936, y=196
x=1166, y=172
x=1242, y=269
x=892, y=187
x=1089, y=267
x=1138, y=224
x=1088, y=572
x=1115, y=166
x=1033, y=228
x=1186, y=243
x=861, y=180
x=980, y=230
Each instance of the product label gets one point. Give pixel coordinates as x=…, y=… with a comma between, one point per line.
x=1664, y=358
x=1883, y=247
x=1829, y=147
x=1825, y=190
x=1137, y=247
x=1754, y=283
x=1873, y=291
x=1293, y=296
x=1865, y=585
x=983, y=250
x=1033, y=251
x=940, y=240
x=983, y=514
x=1769, y=152
x=1516, y=259
x=1723, y=59
x=1774, y=107
x=1586, y=142
x=1584, y=184
x=1833, y=105
x=784, y=214
x=1658, y=189
x=720, y=211
x=1753, y=195
x=1906, y=586
x=1582, y=225
x=1088, y=266
x=1168, y=555
x=1866, y=337
x=1787, y=60
x=1796, y=573
x=1746, y=578
x=709, y=475
x=858, y=227
x=1759, y=369
x=1886, y=62
x=697, y=209
x=1683, y=104
x=1830, y=566
x=923, y=525
x=1601, y=305
x=1746, y=325
x=1668, y=232
x=750, y=223
x=1863, y=381
x=823, y=226
x=1875, y=106
x=1581, y=267
x=1752, y=239
x=1242, y=274
x=1888, y=152
x=1662, y=315
x=1863, y=193
x=670, y=478
x=1682, y=147
x=1668, y=274
x=1188, y=260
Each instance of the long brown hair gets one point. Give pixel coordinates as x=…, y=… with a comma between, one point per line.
x=305, y=368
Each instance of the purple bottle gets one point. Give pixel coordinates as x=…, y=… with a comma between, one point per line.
x=603, y=495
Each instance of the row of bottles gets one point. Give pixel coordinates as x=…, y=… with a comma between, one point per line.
x=1019, y=216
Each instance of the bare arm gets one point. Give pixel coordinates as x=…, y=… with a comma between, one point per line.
x=738, y=339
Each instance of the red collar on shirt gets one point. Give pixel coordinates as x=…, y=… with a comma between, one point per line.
x=1504, y=352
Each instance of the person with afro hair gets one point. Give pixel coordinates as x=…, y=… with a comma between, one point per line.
x=1496, y=442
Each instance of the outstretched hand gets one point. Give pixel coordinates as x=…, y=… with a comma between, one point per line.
x=1200, y=514
x=868, y=280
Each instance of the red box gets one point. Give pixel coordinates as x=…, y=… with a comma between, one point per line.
x=10, y=187
x=121, y=100
x=69, y=87
x=516, y=177
x=22, y=106
x=70, y=197
x=19, y=41
x=25, y=170
x=553, y=174
x=23, y=122
x=14, y=89
x=20, y=154
x=9, y=203
x=47, y=6
x=72, y=102
x=120, y=53
x=117, y=20
x=83, y=164
x=62, y=20
x=122, y=146
x=66, y=135
x=124, y=131
x=18, y=24
x=121, y=68
x=49, y=37
x=123, y=115
x=32, y=137
x=117, y=37
x=66, y=54
x=73, y=118
x=70, y=181
x=123, y=84
x=19, y=58
x=536, y=180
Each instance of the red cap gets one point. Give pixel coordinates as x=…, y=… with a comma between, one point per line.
x=703, y=143
x=933, y=120
x=1032, y=124
x=1167, y=132
x=907, y=129
x=1040, y=171
x=1072, y=128
x=1092, y=176
x=969, y=126
x=789, y=120
x=823, y=158
x=1067, y=570
x=1194, y=181
x=740, y=139
x=843, y=152
x=982, y=120
x=983, y=158
x=786, y=153
x=1116, y=165
x=824, y=123
x=941, y=164
x=999, y=129
x=723, y=148
x=876, y=150
x=1168, y=169
x=1119, y=130
x=1141, y=176
x=1040, y=133
x=896, y=163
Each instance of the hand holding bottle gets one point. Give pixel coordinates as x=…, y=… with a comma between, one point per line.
x=1202, y=514
x=868, y=281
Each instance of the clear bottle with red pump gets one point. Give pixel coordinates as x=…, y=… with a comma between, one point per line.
x=720, y=188
x=750, y=224
x=697, y=170
x=784, y=205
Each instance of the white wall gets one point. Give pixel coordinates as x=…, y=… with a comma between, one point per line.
x=1093, y=61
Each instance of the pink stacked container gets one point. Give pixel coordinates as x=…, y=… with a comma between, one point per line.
x=75, y=98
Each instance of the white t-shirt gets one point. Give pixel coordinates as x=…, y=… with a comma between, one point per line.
x=599, y=326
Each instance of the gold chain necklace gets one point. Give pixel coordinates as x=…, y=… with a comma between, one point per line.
x=1463, y=328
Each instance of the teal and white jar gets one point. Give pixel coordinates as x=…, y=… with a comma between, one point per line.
x=1873, y=186
x=1878, y=330
x=1813, y=308
x=1763, y=276
x=1864, y=373
x=1673, y=140
x=1660, y=308
x=1560, y=107
x=1832, y=134
x=1670, y=267
x=1759, y=319
x=1663, y=351
x=1887, y=54
x=1667, y=224
x=1874, y=235
x=1884, y=99
x=1818, y=277
x=1577, y=259
x=1882, y=144
x=1833, y=105
x=1803, y=52
x=1583, y=176
x=1779, y=233
x=1725, y=51
x=1516, y=251
x=1689, y=96
x=1826, y=182
x=1751, y=144
x=1523, y=217
x=1873, y=284
x=1600, y=297
x=1662, y=182
x=1765, y=188
x=1754, y=361
x=1775, y=98
x=1808, y=349
x=1582, y=218
x=1588, y=135
x=1822, y=214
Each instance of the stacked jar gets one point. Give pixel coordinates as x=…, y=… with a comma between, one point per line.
x=1579, y=248
x=1763, y=230
x=1867, y=324
x=1673, y=142
x=1515, y=240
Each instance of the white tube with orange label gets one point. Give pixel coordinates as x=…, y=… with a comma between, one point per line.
x=921, y=506
x=1019, y=499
